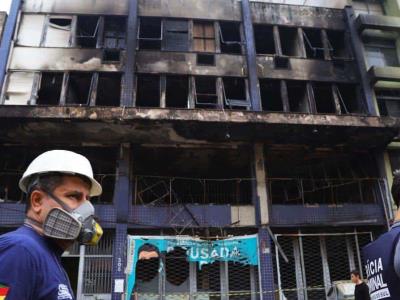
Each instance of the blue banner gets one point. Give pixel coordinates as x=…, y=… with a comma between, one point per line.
x=241, y=249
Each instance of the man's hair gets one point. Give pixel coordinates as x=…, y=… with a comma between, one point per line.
x=47, y=182
x=355, y=273
x=396, y=187
x=148, y=248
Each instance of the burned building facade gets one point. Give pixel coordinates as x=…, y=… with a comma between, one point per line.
x=209, y=119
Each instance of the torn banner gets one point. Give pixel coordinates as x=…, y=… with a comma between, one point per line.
x=241, y=249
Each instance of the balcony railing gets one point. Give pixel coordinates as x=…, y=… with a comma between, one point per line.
x=331, y=191
x=163, y=191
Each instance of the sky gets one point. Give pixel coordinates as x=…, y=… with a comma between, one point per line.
x=5, y=5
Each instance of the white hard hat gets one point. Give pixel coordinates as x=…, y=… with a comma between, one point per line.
x=61, y=161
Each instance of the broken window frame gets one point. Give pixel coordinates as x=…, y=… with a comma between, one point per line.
x=47, y=25
x=222, y=41
x=348, y=56
x=160, y=39
x=164, y=91
x=309, y=45
x=335, y=104
x=243, y=103
x=382, y=102
x=92, y=93
x=270, y=85
x=296, y=51
x=195, y=94
x=120, y=37
x=271, y=37
x=342, y=102
x=97, y=34
x=67, y=85
x=306, y=103
x=141, y=75
x=37, y=86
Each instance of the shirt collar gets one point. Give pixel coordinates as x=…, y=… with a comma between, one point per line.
x=395, y=225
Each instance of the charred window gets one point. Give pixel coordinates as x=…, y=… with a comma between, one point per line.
x=79, y=88
x=205, y=59
x=388, y=102
x=177, y=91
x=208, y=280
x=349, y=98
x=323, y=96
x=313, y=43
x=203, y=37
x=264, y=39
x=338, y=42
x=170, y=176
x=114, y=32
x=150, y=33
x=148, y=91
x=235, y=92
x=109, y=89
x=50, y=88
x=87, y=31
x=290, y=44
x=176, y=35
x=111, y=55
x=15, y=160
x=271, y=97
x=58, y=32
x=321, y=177
x=230, y=37
x=205, y=92
x=298, y=96
x=104, y=164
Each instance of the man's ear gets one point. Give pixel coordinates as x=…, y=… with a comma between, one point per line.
x=37, y=201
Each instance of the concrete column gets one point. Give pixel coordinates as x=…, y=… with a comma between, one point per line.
x=358, y=50
x=266, y=269
x=7, y=38
x=128, y=78
x=254, y=85
x=119, y=260
x=260, y=200
x=122, y=197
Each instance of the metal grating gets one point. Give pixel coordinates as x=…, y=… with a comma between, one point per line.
x=97, y=275
x=173, y=277
x=316, y=261
x=170, y=190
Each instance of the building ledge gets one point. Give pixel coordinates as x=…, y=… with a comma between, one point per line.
x=106, y=125
x=343, y=215
x=387, y=23
x=379, y=74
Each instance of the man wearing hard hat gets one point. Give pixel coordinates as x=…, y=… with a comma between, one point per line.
x=58, y=185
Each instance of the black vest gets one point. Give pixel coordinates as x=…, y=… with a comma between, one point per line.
x=383, y=281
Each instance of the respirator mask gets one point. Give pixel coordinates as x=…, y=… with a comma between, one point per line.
x=71, y=224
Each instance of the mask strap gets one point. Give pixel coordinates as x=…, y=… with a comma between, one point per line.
x=30, y=221
x=58, y=200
